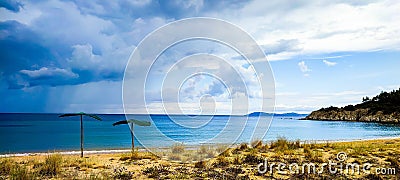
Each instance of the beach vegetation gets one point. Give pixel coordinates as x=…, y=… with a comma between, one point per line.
x=314, y=156
x=282, y=144
x=243, y=147
x=221, y=161
x=125, y=157
x=86, y=163
x=9, y=169
x=221, y=148
x=157, y=171
x=137, y=156
x=6, y=165
x=178, y=148
x=175, y=157
x=237, y=159
x=253, y=159
x=256, y=144
x=21, y=172
x=242, y=165
x=122, y=173
x=226, y=153
x=51, y=166
x=394, y=162
x=207, y=151
x=200, y=164
x=203, y=149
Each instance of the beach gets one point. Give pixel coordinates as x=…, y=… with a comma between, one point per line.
x=365, y=159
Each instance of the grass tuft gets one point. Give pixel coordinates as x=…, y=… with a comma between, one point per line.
x=156, y=171
x=21, y=172
x=51, y=166
x=257, y=144
x=13, y=170
x=6, y=165
x=178, y=148
x=282, y=144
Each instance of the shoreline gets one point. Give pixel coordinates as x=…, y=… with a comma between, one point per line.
x=189, y=147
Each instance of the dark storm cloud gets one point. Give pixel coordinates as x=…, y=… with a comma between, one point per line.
x=11, y=5
x=77, y=42
x=20, y=49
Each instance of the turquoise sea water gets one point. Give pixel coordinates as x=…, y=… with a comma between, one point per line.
x=46, y=132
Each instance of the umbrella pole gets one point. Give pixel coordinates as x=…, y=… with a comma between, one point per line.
x=133, y=139
x=81, y=137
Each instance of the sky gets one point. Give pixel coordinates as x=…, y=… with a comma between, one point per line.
x=70, y=56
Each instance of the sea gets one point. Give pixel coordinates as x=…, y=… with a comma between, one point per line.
x=26, y=133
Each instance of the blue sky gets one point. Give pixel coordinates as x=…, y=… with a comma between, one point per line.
x=67, y=56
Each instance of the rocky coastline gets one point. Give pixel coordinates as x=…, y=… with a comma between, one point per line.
x=383, y=108
x=362, y=115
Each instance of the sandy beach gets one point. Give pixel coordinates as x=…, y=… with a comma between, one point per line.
x=365, y=159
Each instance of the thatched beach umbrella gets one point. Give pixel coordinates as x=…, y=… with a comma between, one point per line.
x=134, y=122
x=81, y=114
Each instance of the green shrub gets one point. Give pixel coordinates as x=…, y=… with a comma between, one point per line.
x=6, y=165
x=51, y=166
x=21, y=172
x=282, y=144
x=178, y=148
x=122, y=173
x=156, y=171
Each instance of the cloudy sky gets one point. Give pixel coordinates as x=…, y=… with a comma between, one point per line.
x=67, y=56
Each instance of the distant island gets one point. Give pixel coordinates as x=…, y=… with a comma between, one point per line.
x=384, y=108
x=274, y=114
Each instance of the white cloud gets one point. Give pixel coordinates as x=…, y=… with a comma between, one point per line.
x=320, y=27
x=329, y=63
x=290, y=101
x=45, y=72
x=44, y=76
x=303, y=67
x=107, y=64
x=25, y=16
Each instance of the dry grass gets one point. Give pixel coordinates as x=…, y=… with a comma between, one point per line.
x=282, y=144
x=233, y=163
x=178, y=148
x=51, y=166
x=13, y=170
x=257, y=144
x=137, y=156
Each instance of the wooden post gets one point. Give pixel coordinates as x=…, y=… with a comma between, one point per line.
x=81, y=137
x=132, y=138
